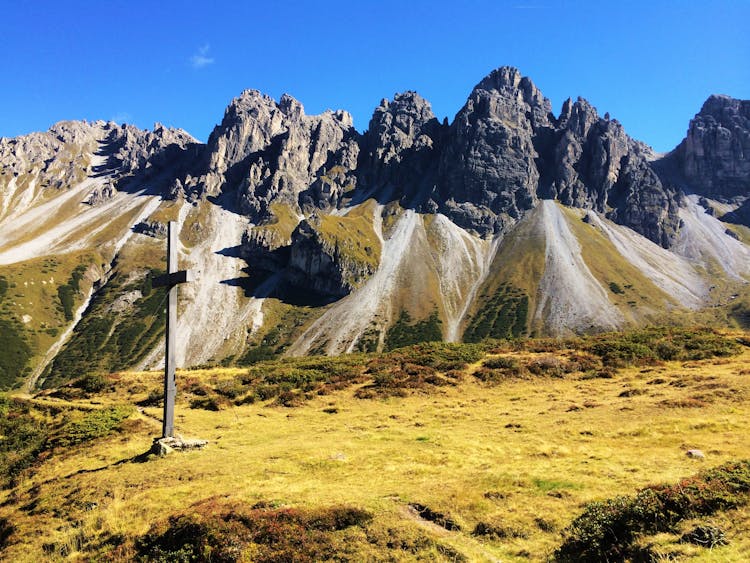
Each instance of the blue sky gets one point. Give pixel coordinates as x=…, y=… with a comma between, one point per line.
x=649, y=64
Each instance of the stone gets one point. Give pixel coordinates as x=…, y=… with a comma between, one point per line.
x=715, y=155
x=705, y=535
x=400, y=148
x=269, y=152
x=165, y=446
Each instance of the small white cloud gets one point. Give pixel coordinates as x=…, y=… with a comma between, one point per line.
x=201, y=58
x=121, y=117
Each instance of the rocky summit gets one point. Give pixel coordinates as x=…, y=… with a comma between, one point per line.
x=308, y=236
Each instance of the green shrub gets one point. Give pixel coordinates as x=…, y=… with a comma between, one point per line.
x=503, y=316
x=607, y=530
x=24, y=436
x=15, y=353
x=405, y=332
x=92, y=425
x=615, y=288
x=420, y=366
x=223, y=532
x=648, y=346
x=66, y=294
x=501, y=362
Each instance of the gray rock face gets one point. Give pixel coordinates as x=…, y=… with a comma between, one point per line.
x=273, y=153
x=134, y=150
x=488, y=173
x=60, y=157
x=155, y=229
x=317, y=264
x=400, y=148
x=593, y=164
x=715, y=155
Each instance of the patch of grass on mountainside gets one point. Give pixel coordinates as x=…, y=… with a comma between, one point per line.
x=282, y=324
x=509, y=291
x=126, y=320
x=352, y=236
x=15, y=353
x=167, y=211
x=195, y=227
x=502, y=315
x=406, y=332
x=38, y=301
x=629, y=287
x=280, y=225
x=608, y=530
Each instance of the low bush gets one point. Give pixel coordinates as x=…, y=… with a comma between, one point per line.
x=652, y=345
x=24, y=437
x=607, y=530
x=222, y=532
x=418, y=367
x=92, y=425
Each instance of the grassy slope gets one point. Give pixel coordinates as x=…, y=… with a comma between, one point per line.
x=103, y=340
x=520, y=456
x=516, y=270
x=353, y=235
x=608, y=266
x=32, y=299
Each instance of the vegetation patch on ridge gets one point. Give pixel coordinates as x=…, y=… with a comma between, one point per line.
x=406, y=332
x=503, y=315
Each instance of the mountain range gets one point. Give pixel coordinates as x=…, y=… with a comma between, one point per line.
x=309, y=237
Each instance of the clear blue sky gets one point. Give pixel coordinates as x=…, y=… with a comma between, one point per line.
x=650, y=64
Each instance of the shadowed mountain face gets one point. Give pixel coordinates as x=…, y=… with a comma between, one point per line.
x=308, y=236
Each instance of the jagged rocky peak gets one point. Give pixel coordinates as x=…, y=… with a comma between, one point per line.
x=594, y=164
x=399, y=146
x=132, y=150
x=274, y=153
x=488, y=174
x=587, y=156
x=59, y=157
x=715, y=155
x=515, y=92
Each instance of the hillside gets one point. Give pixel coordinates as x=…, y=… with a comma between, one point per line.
x=470, y=452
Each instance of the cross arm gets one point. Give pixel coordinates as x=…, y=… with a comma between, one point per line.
x=175, y=278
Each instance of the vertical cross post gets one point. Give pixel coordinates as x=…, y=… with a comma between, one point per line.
x=171, y=280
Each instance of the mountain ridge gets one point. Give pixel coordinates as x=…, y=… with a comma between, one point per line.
x=310, y=237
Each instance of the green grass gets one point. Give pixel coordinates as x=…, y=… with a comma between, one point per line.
x=106, y=340
x=15, y=353
x=352, y=237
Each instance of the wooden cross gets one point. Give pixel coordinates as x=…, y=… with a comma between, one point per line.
x=171, y=280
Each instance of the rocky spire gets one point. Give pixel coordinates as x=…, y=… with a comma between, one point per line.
x=272, y=152
x=488, y=174
x=715, y=156
x=400, y=147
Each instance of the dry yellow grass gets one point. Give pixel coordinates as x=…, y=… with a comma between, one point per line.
x=523, y=455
